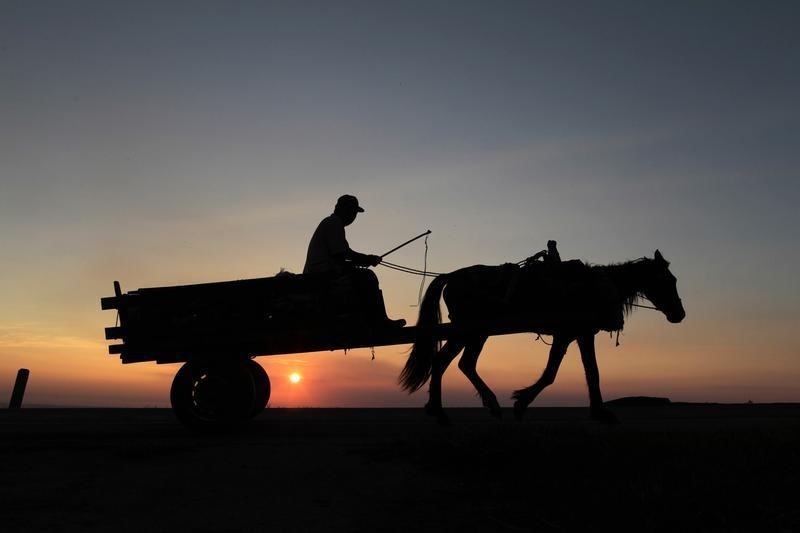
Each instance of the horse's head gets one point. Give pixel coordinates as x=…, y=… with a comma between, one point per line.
x=661, y=289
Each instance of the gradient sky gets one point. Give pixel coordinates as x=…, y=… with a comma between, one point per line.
x=163, y=143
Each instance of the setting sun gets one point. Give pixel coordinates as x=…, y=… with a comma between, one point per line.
x=294, y=377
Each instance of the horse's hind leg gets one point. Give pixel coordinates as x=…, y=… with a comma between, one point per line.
x=440, y=363
x=525, y=396
x=589, y=358
x=468, y=365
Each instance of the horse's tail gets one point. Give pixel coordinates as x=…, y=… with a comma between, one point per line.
x=420, y=361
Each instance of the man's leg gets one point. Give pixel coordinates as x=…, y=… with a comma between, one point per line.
x=366, y=286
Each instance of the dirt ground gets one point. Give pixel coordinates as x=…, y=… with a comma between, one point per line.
x=669, y=468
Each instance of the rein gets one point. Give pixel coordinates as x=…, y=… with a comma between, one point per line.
x=408, y=270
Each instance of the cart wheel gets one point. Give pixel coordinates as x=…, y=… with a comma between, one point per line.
x=262, y=387
x=213, y=396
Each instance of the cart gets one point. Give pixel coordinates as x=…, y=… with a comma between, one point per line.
x=217, y=329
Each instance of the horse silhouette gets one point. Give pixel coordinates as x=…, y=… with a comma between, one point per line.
x=570, y=301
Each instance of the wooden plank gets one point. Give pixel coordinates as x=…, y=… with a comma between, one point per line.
x=19, y=388
x=128, y=359
x=110, y=302
x=114, y=333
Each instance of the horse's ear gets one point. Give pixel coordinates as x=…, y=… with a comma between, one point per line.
x=660, y=257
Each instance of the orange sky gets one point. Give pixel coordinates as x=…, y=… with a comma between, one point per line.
x=653, y=360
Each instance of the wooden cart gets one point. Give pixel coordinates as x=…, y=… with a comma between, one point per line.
x=216, y=329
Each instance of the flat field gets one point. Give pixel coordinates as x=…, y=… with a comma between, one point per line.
x=667, y=468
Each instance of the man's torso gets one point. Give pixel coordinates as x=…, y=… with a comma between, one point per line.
x=327, y=241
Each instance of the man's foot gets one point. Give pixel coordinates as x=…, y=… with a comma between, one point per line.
x=389, y=323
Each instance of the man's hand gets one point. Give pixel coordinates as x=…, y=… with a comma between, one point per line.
x=362, y=260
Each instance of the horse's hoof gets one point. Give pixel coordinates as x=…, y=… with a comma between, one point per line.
x=494, y=407
x=438, y=413
x=519, y=410
x=604, y=416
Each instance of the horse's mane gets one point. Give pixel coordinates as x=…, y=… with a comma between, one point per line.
x=626, y=276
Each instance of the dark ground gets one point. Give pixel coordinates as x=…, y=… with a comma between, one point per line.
x=669, y=468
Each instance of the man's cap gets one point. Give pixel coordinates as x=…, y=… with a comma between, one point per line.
x=349, y=201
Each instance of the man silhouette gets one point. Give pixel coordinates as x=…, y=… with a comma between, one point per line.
x=329, y=254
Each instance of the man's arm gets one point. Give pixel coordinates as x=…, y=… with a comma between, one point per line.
x=357, y=258
x=340, y=250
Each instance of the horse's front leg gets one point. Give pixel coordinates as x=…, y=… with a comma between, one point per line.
x=469, y=366
x=589, y=358
x=441, y=361
x=525, y=396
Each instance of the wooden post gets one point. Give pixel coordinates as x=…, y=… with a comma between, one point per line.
x=19, y=388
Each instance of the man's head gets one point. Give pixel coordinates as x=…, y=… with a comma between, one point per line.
x=347, y=208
